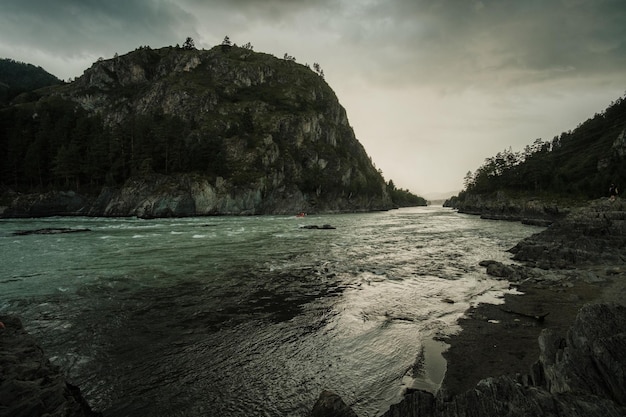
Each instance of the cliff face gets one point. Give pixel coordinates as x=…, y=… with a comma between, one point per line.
x=220, y=131
x=195, y=195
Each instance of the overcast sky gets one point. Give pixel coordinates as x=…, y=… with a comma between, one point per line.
x=431, y=87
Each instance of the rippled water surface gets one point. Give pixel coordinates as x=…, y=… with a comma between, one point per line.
x=249, y=316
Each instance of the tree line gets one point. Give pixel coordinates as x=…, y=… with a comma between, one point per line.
x=19, y=77
x=404, y=198
x=580, y=163
x=55, y=143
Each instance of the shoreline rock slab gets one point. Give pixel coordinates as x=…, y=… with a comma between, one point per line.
x=528, y=209
x=594, y=234
x=578, y=375
x=29, y=384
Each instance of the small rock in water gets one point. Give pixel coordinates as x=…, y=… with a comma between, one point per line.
x=49, y=231
x=330, y=404
x=314, y=226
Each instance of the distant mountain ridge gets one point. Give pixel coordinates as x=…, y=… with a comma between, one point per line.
x=19, y=77
x=180, y=131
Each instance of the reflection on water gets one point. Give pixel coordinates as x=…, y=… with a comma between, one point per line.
x=251, y=316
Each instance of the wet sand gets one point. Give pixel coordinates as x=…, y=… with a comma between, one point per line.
x=497, y=340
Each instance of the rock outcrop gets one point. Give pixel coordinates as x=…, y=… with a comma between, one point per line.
x=29, y=384
x=500, y=206
x=53, y=203
x=593, y=234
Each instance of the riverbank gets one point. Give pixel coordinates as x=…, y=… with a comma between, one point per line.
x=502, y=339
x=546, y=350
x=556, y=346
x=577, y=261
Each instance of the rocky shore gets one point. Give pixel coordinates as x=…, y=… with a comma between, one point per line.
x=556, y=346
x=500, y=206
x=29, y=384
x=184, y=195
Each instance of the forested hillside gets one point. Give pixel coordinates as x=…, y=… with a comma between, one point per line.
x=235, y=131
x=18, y=77
x=581, y=163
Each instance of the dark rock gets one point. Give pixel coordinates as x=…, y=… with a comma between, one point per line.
x=513, y=273
x=592, y=234
x=414, y=404
x=330, y=404
x=29, y=384
x=500, y=270
x=54, y=203
x=592, y=357
x=537, y=222
x=49, y=231
x=500, y=206
x=314, y=226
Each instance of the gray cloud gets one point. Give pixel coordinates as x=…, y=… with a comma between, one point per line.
x=471, y=42
x=457, y=42
x=73, y=27
x=267, y=10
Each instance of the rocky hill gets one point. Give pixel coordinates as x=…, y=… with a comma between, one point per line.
x=180, y=131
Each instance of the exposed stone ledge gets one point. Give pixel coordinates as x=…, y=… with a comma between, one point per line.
x=499, y=206
x=581, y=374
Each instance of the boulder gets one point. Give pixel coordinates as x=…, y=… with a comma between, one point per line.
x=512, y=273
x=591, y=358
x=323, y=227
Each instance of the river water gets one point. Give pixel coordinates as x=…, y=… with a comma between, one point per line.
x=250, y=316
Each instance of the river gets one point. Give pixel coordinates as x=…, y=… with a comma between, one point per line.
x=250, y=316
